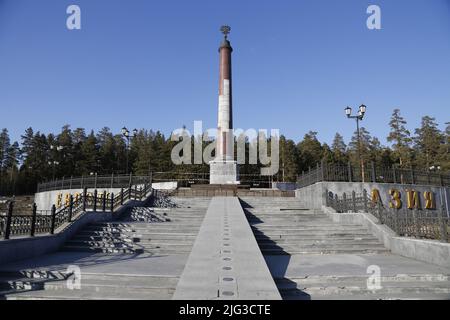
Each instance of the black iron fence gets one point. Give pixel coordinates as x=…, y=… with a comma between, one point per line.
x=184, y=179
x=426, y=224
x=39, y=223
x=372, y=173
x=94, y=182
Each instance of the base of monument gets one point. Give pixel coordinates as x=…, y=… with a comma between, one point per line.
x=223, y=172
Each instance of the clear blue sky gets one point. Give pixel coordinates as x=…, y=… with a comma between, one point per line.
x=154, y=64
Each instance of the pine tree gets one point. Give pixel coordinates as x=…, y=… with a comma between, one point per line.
x=339, y=150
x=427, y=142
x=310, y=151
x=107, y=150
x=90, y=162
x=444, y=153
x=400, y=138
x=288, y=160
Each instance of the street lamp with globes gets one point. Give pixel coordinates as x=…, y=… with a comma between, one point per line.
x=359, y=117
x=126, y=134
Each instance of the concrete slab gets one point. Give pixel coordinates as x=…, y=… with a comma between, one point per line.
x=347, y=265
x=225, y=262
x=143, y=264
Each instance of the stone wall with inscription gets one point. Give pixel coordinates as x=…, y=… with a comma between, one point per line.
x=313, y=196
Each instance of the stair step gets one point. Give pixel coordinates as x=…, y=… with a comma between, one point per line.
x=282, y=251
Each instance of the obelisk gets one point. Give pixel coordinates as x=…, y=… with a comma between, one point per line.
x=223, y=169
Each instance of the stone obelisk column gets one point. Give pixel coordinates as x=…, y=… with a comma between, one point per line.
x=224, y=147
x=223, y=170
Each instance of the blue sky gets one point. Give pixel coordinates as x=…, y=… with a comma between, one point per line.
x=154, y=64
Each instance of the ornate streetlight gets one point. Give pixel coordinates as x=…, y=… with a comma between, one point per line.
x=358, y=117
x=54, y=156
x=126, y=134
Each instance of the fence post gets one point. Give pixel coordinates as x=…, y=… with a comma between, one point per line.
x=394, y=173
x=95, y=200
x=144, y=192
x=121, y=196
x=374, y=175
x=336, y=202
x=104, y=201
x=354, y=201
x=112, y=201
x=323, y=167
x=95, y=181
x=70, y=208
x=365, y=200
x=344, y=200
x=33, y=220
x=84, y=199
x=412, y=176
x=62, y=183
x=443, y=225
x=112, y=179
x=349, y=169
x=82, y=178
x=130, y=182
x=135, y=192
x=9, y=220
x=380, y=212
x=396, y=220
x=52, y=227
x=416, y=228
x=70, y=185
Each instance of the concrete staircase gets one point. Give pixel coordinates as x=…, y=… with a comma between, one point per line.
x=145, y=230
x=312, y=257
x=139, y=256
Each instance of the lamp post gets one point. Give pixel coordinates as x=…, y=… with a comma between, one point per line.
x=54, y=156
x=54, y=164
x=359, y=117
x=126, y=134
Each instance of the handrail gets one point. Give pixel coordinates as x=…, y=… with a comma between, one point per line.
x=348, y=173
x=405, y=222
x=124, y=181
x=30, y=225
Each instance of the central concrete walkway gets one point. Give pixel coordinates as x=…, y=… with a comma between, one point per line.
x=225, y=262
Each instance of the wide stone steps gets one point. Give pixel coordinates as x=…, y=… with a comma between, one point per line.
x=313, y=237
x=309, y=242
x=305, y=232
x=312, y=226
x=318, y=251
x=98, y=287
x=141, y=237
x=347, y=287
x=125, y=250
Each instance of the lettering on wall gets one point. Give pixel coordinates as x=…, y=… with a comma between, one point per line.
x=415, y=200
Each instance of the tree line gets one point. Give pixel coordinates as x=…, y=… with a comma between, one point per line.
x=40, y=157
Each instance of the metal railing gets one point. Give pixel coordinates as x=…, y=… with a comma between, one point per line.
x=23, y=225
x=430, y=224
x=373, y=173
x=184, y=179
x=94, y=182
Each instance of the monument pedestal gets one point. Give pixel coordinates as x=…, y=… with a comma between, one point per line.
x=223, y=172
